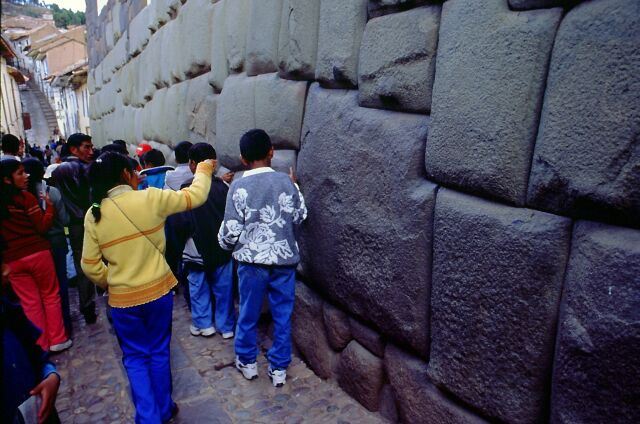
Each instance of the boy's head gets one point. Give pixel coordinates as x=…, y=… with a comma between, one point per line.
x=256, y=149
x=153, y=158
x=10, y=144
x=182, y=152
x=199, y=152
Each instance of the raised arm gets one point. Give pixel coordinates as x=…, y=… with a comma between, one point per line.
x=168, y=202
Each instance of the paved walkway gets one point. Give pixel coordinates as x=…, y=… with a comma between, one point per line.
x=207, y=387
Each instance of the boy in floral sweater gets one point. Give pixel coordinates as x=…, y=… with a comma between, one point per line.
x=263, y=208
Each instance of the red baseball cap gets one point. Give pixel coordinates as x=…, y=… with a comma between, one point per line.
x=142, y=149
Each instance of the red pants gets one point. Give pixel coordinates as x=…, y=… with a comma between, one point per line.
x=33, y=279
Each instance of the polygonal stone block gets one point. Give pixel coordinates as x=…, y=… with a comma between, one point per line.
x=587, y=155
x=367, y=337
x=485, y=105
x=596, y=370
x=298, y=40
x=398, y=60
x=338, y=327
x=356, y=165
x=283, y=160
x=219, y=65
x=340, y=31
x=497, y=280
x=139, y=32
x=262, y=37
x=195, y=22
x=237, y=16
x=361, y=374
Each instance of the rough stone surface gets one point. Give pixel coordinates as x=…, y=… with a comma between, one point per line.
x=388, y=408
x=283, y=160
x=596, y=373
x=262, y=39
x=497, y=279
x=418, y=400
x=279, y=107
x=485, y=105
x=338, y=327
x=237, y=16
x=367, y=337
x=349, y=182
x=195, y=20
x=382, y=7
x=361, y=374
x=398, y=60
x=340, y=31
x=308, y=332
x=219, y=65
x=587, y=156
x=298, y=39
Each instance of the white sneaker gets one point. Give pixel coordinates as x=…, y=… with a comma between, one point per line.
x=278, y=377
x=227, y=335
x=249, y=371
x=206, y=332
x=61, y=346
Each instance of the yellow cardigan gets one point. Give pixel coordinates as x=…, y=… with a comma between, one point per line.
x=137, y=272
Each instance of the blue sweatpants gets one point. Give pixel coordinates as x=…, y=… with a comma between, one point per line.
x=219, y=282
x=278, y=283
x=144, y=334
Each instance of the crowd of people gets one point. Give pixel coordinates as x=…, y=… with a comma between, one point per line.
x=137, y=229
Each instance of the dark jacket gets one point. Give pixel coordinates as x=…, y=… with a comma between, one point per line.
x=202, y=224
x=72, y=179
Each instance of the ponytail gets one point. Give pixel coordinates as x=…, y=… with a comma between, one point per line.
x=104, y=174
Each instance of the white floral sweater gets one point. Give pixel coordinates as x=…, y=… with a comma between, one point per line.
x=263, y=208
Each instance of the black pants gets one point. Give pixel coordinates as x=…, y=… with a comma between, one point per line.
x=86, y=289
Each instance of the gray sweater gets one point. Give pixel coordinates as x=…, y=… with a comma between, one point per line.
x=263, y=208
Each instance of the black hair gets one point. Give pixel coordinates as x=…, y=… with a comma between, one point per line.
x=75, y=140
x=182, y=151
x=104, y=174
x=7, y=191
x=201, y=151
x=121, y=143
x=115, y=147
x=35, y=169
x=153, y=157
x=10, y=144
x=255, y=145
x=64, y=151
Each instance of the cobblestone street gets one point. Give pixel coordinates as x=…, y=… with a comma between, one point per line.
x=207, y=387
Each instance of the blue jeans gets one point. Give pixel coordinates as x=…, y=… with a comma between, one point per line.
x=201, y=285
x=144, y=334
x=60, y=262
x=278, y=283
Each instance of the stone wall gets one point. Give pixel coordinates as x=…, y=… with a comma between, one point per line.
x=472, y=172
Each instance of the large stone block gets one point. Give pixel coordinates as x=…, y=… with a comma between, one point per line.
x=398, y=60
x=139, y=32
x=235, y=116
x=262, y=37
x=418, y=400
x=175, y=126
x=283, y=160
x=367, y=337
x=195, y=25
x=497, y=279
x=338, y=327
x=388, y=408
x=340, y=31
x=237, y=12
x=159, y=14
x=279, y=107
x=308, y=332
x=298, y=40
x=356, y=165
x=485, y=105
x=382, y=7
x=219, y=65
x=361, y=374
x=587, y=156
x=171, y=43
x=597, y=371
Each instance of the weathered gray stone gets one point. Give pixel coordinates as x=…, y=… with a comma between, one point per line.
x=367, y=337
x=587, y=156
x=237, y=15
x=349, y=182
x=418, y=400
x=298, y=40
x=308, y=332
x=361, y=374
x=235, y=116
x=195, y=53
x=219, y=65
x=388, y=408
x=262, y=37
x=340, y=31
x=597, y=371
x=159, y=14
x=485, y=105
x=202, y=117
x=279, y=107
x=283, y=160
x=382, y=7
x=398, y=60
x=338, y=326
x=497, y=279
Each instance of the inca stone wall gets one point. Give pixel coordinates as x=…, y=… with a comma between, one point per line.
x=472, y=172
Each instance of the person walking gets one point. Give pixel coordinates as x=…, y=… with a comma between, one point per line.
x=125, y=228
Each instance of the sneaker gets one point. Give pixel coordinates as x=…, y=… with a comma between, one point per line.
x=278, y=377
x=227, y=335
x=61, y=346
x=249, y=371
x=206, y=332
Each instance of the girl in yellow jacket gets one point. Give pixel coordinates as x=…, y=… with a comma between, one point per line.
x=125, y=229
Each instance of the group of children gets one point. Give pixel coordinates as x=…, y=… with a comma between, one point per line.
x=255, y=221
